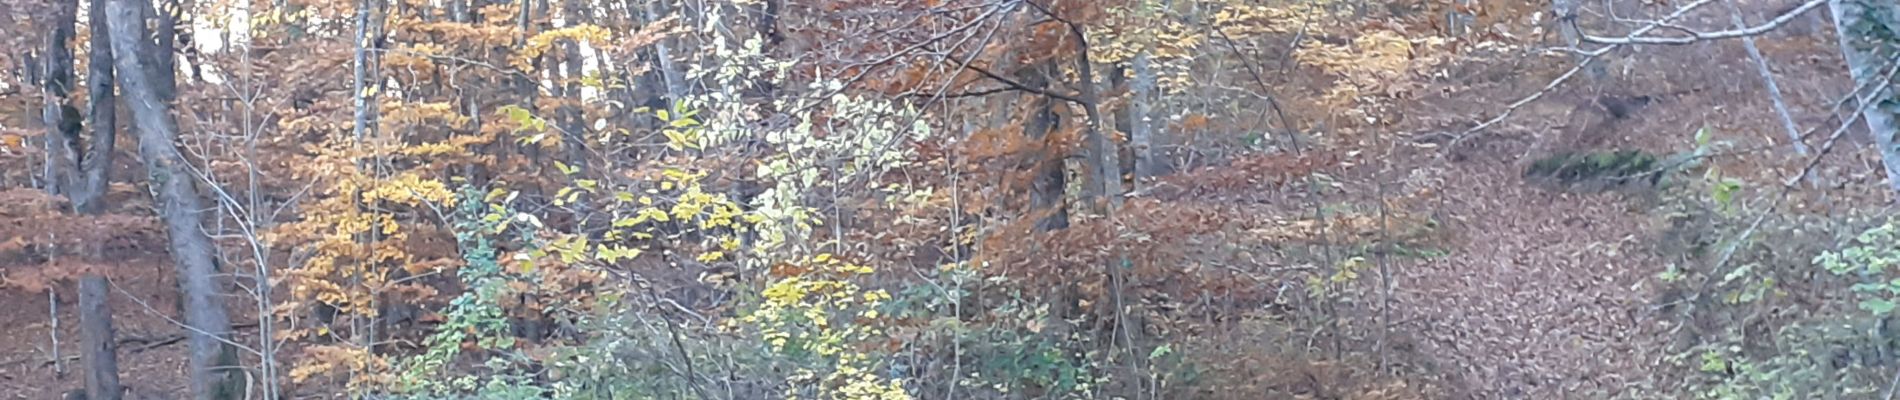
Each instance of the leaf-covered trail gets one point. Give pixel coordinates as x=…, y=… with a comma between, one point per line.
x=1540, y=297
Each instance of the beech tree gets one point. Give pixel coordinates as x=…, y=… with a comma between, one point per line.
x=213, y=358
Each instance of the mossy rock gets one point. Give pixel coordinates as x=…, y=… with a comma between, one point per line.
x=1598, y=169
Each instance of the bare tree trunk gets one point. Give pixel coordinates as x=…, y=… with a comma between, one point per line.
x=99, y=347
x=1048, y=180
x=103, y=112
x=669, y=70
x=1864, y=52
x=62, y=177
x=213, y=360
x=164, y=17
x=458, y=11
x=95, y=335
x=572, y=128
x=364, y=69
x=61, y=118
x=1142, y=130
x=1105, y=180
x=526, y=84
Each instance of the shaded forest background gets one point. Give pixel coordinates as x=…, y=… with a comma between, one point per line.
x=946, y=199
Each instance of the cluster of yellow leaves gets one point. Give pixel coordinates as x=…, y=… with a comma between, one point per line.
x=544, y=41
x=436, y=115
x=1375, y=68
x=409, y=189
x=1240, y=20
x=714, y=214
x=360, y=227
x=817, y=308
x=364, y=369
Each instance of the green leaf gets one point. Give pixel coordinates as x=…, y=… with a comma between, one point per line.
x=1160, y=351
x=1877, y=306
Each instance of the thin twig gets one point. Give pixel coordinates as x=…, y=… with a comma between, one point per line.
x=1893, y=384
x=168, y=319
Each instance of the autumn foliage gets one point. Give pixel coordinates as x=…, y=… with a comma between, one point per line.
x=879, y=199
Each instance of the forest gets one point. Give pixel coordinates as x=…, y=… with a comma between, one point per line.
x=949, y=199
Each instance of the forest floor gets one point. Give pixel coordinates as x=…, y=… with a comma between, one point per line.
x=151, y=359
x=1553, y=293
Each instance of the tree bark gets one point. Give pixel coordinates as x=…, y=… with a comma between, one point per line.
x=573, y=128
x=669, y=71
x=103, y=112
x=1141, y=134
x=458, y=11
x=61, y=118
x=100, y=348
x=366, y=77
x=96, y=336
x=165, y=36
x=1048, y=180
x=162, y=39
x=213, y=361
x=1852, y=20
x=1104, y=169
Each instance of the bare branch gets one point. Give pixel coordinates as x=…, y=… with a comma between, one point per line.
x=1013, y=84
x=1693, y=37
x=1588, y=57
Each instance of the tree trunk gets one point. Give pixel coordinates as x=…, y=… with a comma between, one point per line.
x=1767, y=80
x=61, y=118
x=163, y=37
x=1852, y=20
x=663, y=51
x=458, y=11
x=1141, y=133
x=213, y=362
x=100, y=348
x=1105, y=180
x=103, y=111
x=527, y=86
x=365, y=72
x=95, y=335
x=573, y=128
x=1048, y=179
